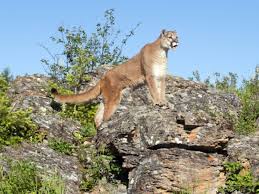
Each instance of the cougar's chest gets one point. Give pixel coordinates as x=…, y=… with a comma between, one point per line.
x=159, y=65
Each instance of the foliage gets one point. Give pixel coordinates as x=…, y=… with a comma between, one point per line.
x=53, y=184
x=3, y=86
x=196, y=76
x=24, y=177
x=21, y=178
x=82, y=52
x=237, y=181
x=15, y=125
x=84, y=113
x=102, y=164
x=61, y=146
x=7, y=74
x=86, y=132
x=248, y=94
x=226, y=83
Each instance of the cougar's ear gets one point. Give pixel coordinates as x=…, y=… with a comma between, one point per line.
x=162, y=33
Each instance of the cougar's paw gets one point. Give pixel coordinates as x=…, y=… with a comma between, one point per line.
x=158, y=103
x=162, y=104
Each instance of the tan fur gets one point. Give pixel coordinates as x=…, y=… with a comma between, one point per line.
x=148, y=65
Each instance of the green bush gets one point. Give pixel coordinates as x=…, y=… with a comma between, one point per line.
x=15, y=125
x=6, y=74
x=249, y=96
x=237, y=181
x=84, y=113
x=61, y=146
x=102, y=164
x=82, y=52
x=24, y=177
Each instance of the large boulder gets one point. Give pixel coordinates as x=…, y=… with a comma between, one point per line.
x=30, y=92
x=181, y=146
x=245, y=149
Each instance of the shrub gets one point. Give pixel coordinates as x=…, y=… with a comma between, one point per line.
x=84, y=113
x=102, y=164
x=61, y=146
x=249, y=96
x=24, y=177
x=237, y=181
x=15, y=125
x=6, y=74
x=82, y=52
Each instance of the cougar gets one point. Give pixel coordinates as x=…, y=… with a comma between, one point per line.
x=148, y=66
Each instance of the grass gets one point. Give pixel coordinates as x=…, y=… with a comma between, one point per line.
x=24, y=177
x=101, y=164
x=61, y=146
x=15, y=124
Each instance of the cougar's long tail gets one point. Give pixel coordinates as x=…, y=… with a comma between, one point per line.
x=78, y=98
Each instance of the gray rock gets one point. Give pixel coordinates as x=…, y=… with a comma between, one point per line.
x=172, y=170
x=30, y=92
x=165, y=148
x=245, y=149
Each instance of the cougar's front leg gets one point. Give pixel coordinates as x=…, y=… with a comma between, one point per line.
x=162, y=91
x=153, y=86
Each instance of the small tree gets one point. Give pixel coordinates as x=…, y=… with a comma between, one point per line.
x=6, y=73
x=82, y=53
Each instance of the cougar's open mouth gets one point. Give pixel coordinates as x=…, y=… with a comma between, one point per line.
x=174, y=45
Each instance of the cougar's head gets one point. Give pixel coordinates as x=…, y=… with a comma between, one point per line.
x=169, y=39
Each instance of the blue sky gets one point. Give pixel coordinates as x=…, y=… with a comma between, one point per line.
x=215, y=36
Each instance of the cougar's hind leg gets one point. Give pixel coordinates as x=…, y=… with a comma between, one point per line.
x=98, y=119
x=112, y=99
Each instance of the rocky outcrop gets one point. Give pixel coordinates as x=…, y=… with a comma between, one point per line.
x=45, y=158
x=245, y=149
x=30, y=92
x=178, y=147
x=181, y=146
